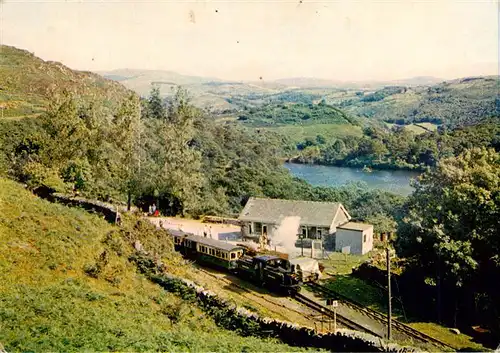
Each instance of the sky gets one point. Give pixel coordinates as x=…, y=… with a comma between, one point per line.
x=245, y=40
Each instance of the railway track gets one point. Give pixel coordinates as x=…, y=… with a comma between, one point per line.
x=330, y=313
x=260, y=296
x=397, y=325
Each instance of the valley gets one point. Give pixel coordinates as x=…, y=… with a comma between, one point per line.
x=199, y=146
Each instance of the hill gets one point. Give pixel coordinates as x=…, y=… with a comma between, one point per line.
x=310, y=82
x=68, y=285
x=404, y=102
x=207, y=92
x=454, y=103
x=28, y=82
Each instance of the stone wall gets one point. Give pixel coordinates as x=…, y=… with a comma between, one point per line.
x=246, y=322
x=109, y=211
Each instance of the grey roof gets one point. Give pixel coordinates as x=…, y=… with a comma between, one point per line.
x=274, y=210
x=178, y=233
x=213, y=243
x=356, y=226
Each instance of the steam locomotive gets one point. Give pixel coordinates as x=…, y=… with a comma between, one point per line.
x=271, y=271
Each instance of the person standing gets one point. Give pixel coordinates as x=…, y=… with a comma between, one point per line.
x=205, y=231
x=210, y=232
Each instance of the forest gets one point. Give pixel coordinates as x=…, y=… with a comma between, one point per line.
x=148, y=150
x=398, y=148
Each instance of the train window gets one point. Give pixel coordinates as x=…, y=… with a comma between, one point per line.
x=233, y=255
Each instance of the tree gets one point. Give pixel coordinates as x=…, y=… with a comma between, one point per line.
x=180, y=178
x=378, y=149
x=155, y=106
x=127, y=127
x=450, y=231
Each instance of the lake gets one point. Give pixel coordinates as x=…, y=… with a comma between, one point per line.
x=396, y=181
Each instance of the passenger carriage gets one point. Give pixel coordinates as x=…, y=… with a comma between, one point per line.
x=212, y=251
x=178, y=237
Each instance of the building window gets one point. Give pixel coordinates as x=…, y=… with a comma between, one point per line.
x=364, y=238
x=258, y=228
x=250, y=228
x=318, y=234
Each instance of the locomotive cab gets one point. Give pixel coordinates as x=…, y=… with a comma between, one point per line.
x=271, y=271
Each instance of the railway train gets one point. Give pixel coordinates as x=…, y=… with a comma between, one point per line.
x=271, y=271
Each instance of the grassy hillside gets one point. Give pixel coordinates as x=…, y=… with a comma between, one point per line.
x=27, y=82
x=67, y=286
x=453, y=103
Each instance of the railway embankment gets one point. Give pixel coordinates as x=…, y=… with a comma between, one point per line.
x=247, y=323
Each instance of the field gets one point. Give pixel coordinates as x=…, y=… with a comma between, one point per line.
x=299, y=132
x=67, y=285
x=417, y=128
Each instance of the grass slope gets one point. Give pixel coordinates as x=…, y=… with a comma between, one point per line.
x=298, y=133
x=27, y=83
x=48, y=302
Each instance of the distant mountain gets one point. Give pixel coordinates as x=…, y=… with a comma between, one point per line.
x=141, y=81
x=308, y=82
x=28, y=82
x=414, y=99
x=207, y=92
x=416, y=81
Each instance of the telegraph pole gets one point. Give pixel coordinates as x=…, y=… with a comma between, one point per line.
x=389, y=314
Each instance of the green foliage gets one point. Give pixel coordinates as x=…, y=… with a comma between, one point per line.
x=155, y=107
x=452, y=223
x=454, y=209
x=77, y=145
x=297, y=113
x=398, y=148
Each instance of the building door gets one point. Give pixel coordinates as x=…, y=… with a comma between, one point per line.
x=264, y=229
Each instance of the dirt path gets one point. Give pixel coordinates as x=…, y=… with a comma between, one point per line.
x=218, y=231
